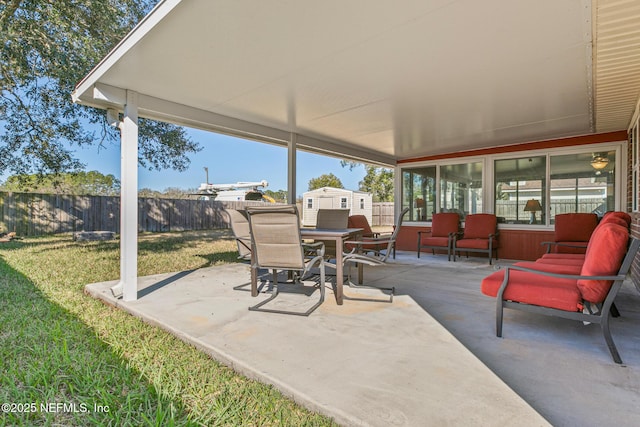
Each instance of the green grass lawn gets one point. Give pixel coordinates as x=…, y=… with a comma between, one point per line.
x=68, y=359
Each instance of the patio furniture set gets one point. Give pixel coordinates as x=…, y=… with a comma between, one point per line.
x=563, y=282
x=271, y=238
x=480, y=235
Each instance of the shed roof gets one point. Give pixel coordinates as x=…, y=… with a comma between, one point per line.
x=335, y=190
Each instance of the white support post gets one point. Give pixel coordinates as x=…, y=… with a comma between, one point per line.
x=291, y=168
x=129, y=199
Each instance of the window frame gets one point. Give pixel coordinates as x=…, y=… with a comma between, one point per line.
x=488, y=183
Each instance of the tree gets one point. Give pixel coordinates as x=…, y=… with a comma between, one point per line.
x=326, y=180
x=378, y=182
x=91, y=183
x=47, y=47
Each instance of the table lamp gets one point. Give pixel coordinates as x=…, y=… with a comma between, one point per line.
x=532, y=206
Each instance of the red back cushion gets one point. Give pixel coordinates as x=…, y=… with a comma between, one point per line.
x=479, y=226
x=575, y=227
x=444, y=223
x=617, y=215
x=360, y=221
x=615, y=220
x=605, y=253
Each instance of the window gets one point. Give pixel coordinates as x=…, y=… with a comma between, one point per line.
x=583, y=182
x=309, y=203
x=461, y=188
x=531, y=187
x=343, y=203
x=419, y=193
x=361, y=204
x=518, y=181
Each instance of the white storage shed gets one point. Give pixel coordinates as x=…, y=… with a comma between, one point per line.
x=358, y=203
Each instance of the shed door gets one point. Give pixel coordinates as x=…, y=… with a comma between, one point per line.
x=325, y=203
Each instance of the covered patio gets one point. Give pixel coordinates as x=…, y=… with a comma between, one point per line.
x=411, y=85
x=429, y=358
x=393, y=84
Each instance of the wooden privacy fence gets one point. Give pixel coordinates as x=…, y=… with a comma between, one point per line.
x=511, y=210
x=383, y=214
x=31, y=214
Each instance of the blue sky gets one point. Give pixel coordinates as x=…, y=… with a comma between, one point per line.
x=229, y=160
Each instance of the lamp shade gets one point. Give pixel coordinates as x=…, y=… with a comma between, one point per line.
x=532, y=206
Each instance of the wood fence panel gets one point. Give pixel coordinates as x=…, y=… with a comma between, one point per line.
x=382, y=214
x=32, y=214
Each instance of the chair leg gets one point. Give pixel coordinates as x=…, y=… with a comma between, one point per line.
x=609, y=339
x=499, y=315
x=614, y=310
x=274, y=294
x=352, y=284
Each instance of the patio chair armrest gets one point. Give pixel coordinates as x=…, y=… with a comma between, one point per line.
x=376, y=241
x=548, y=244
x=561, y=244
x=557, y=275
x=361, y=259
x=317, y=247
x=505, y=282
x=564, y=276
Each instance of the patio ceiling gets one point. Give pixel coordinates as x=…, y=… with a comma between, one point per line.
x=379, y=81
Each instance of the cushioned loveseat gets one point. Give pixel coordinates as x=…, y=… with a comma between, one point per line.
x=572, y=286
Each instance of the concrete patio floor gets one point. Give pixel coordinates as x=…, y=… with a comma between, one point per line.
x=429, y=358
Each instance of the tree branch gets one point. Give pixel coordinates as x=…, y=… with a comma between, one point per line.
x=8, y=13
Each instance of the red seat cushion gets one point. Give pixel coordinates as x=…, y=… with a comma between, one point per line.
x=435, y=241
x=444, y=223
x=563, y=256
x=473, y=244
x=531, y=288
x=604, y=256
x=562, y=261
x=551, y=268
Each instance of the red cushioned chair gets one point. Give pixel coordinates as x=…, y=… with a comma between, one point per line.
x=584, y=293
x=383, y=244
x=444, y=227
x=480, y=235
x=360, y=221
x=620, y=218
x=572, y=232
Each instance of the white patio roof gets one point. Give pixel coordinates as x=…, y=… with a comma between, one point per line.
x=376, y=81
